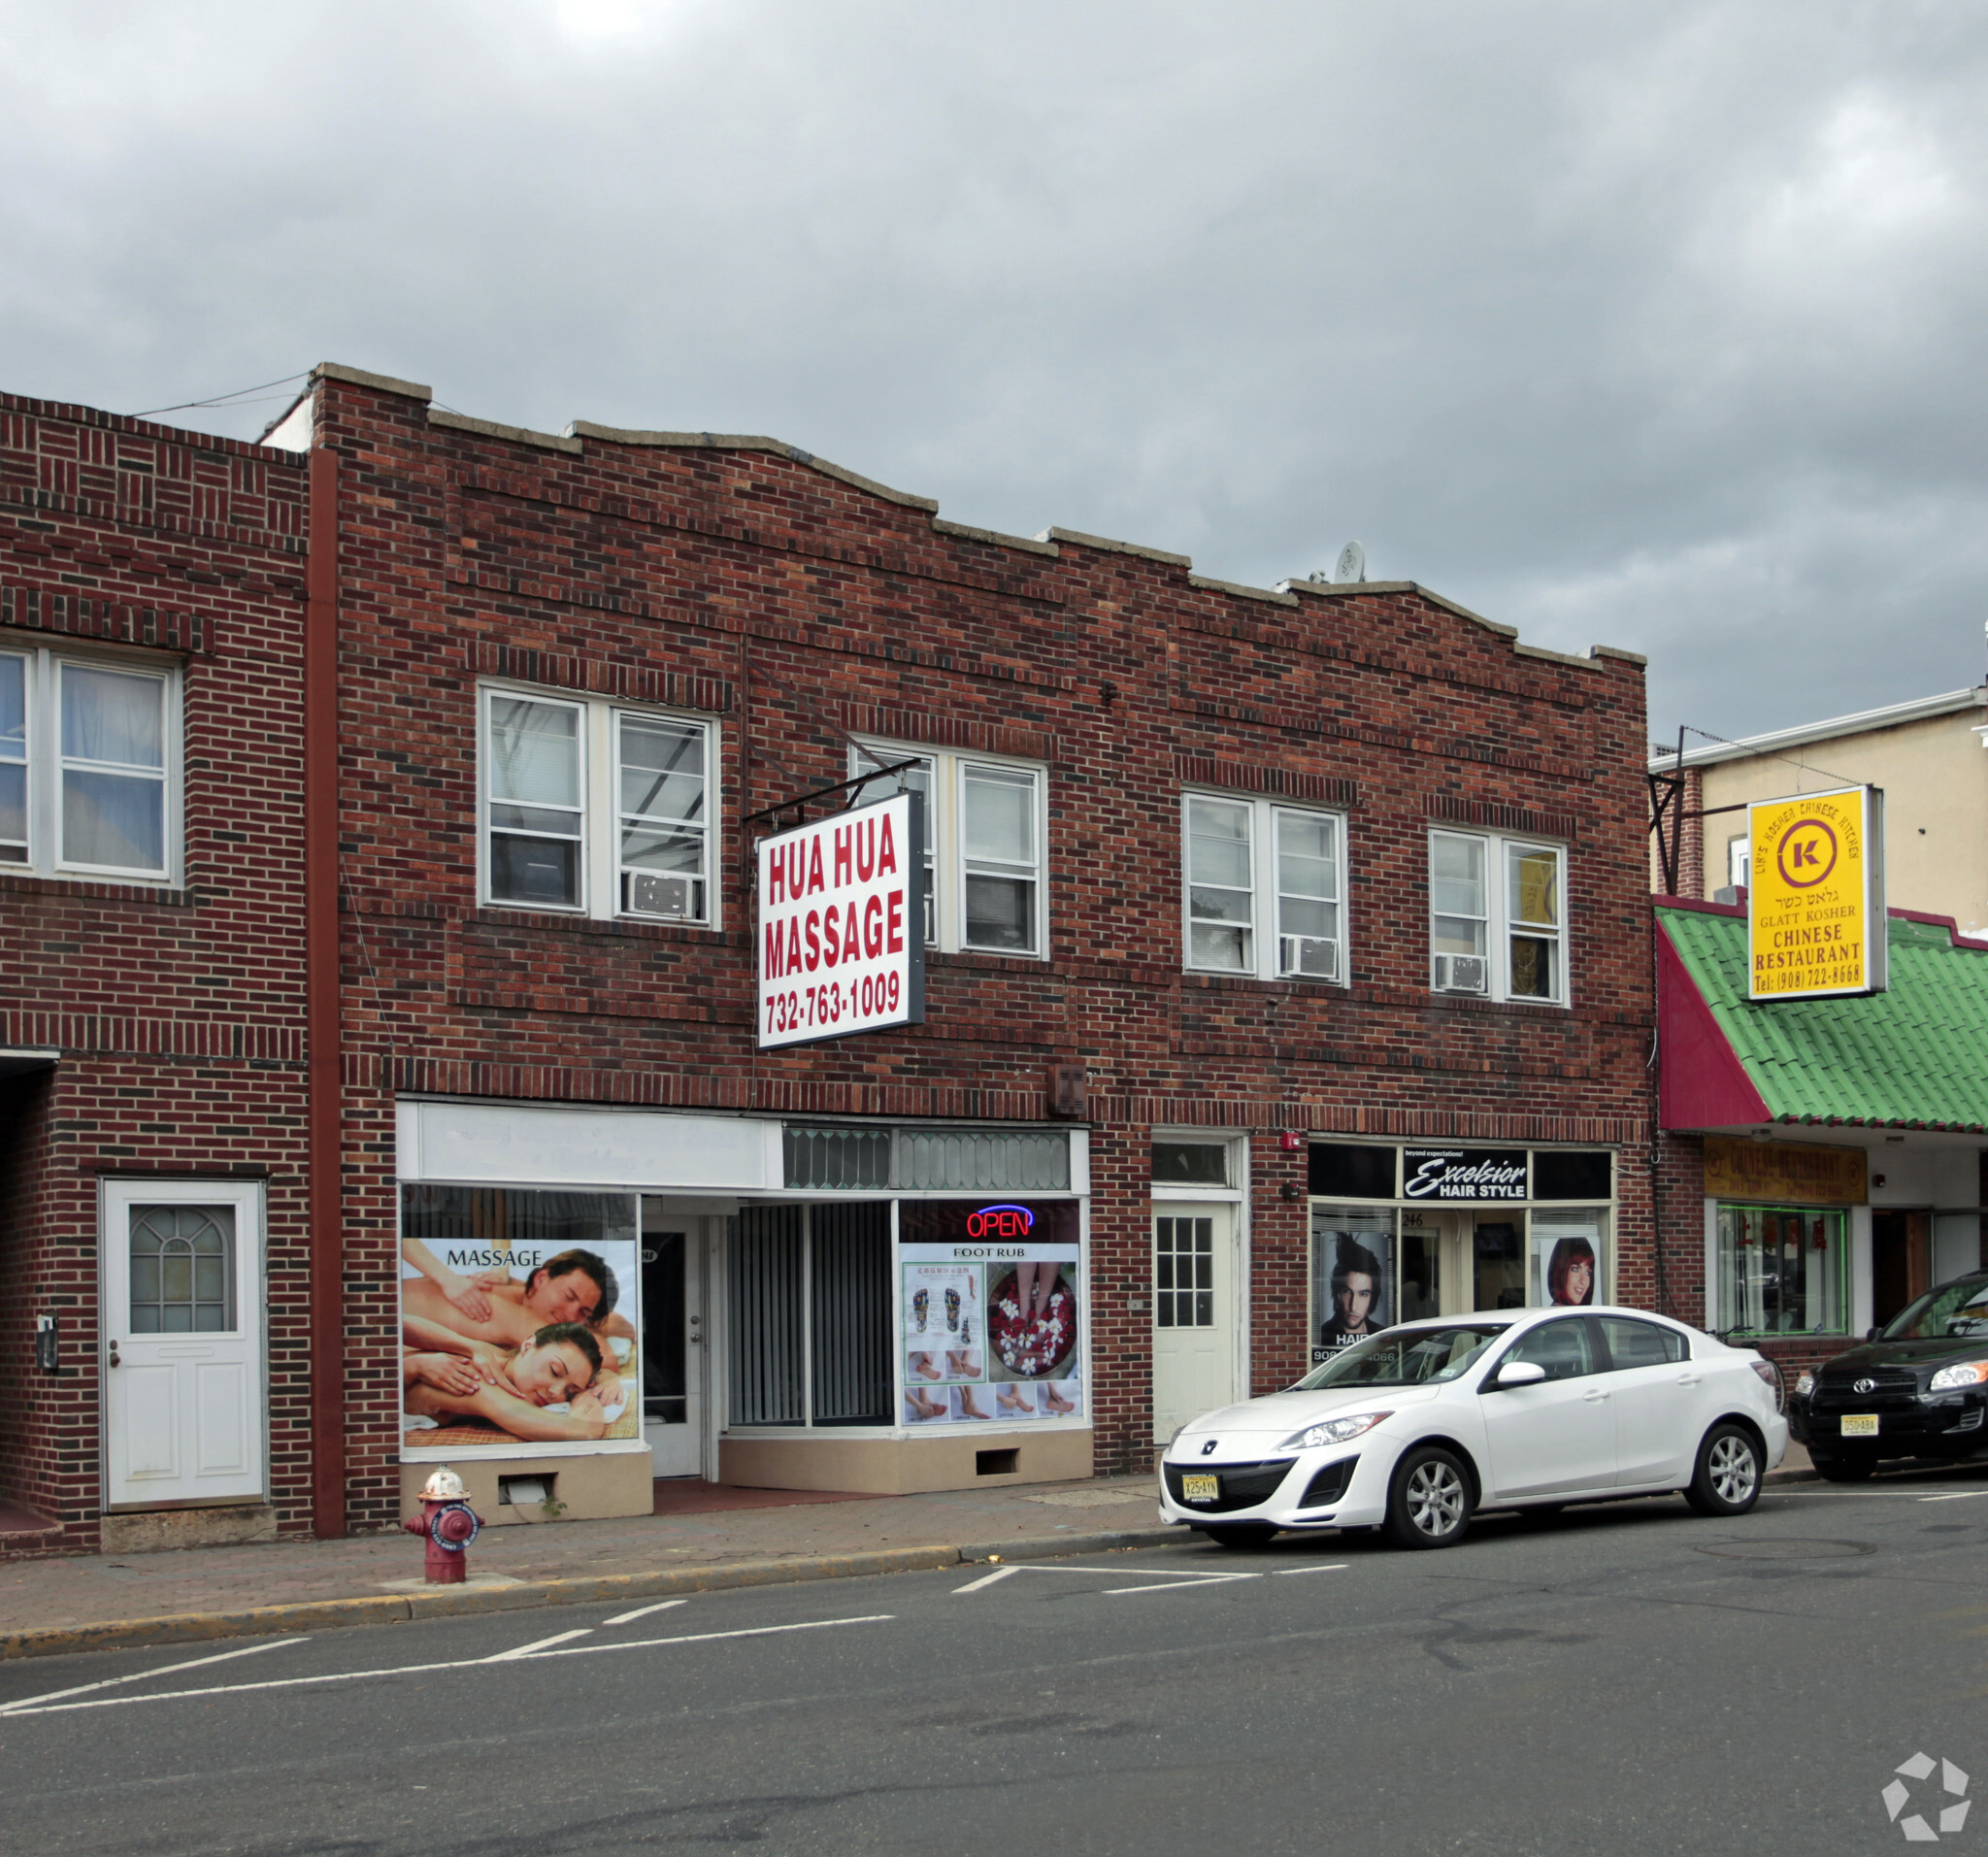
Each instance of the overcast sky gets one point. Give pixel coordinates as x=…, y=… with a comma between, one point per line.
x=1661, y=326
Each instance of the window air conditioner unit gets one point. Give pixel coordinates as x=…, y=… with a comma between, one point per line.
x=1308, y=957
x=672, y=898
x=1460, y=973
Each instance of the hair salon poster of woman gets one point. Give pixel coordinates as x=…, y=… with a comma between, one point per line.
x=522, y=1329
x=989, y=1317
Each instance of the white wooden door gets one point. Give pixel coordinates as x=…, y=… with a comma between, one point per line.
x=1194, y=1312
x=185, y=1407
x=674, y=1341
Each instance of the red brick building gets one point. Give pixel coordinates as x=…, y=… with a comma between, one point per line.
x=1287, y=965
x=151, y=963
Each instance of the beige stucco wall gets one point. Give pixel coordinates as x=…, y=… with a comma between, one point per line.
x=1935, y=776
x=591, y=1489
x=898, y=1467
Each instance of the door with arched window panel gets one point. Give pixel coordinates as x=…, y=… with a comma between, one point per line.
x=184, y=1418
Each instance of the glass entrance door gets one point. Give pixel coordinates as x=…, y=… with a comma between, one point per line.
x=673, y=1340
x=1498, y=1257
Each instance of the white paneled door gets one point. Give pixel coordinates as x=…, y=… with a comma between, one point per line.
x=1194, y=1312
x=183, y=1396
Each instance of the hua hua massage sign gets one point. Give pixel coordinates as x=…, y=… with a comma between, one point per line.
x=840, y=911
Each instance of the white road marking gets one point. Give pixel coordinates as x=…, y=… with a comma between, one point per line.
x=42, y=1705
x=986, y=1580
x=1173, y=1585
x=1835, y=1494
x=1338, y=1567
x=1170, y=1576
x=139, y=1677
x=1958, y=1496
x=642, y=1612
x=526, y=1650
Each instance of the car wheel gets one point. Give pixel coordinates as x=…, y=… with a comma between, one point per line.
x=1728, y=1478
x=1240, y=1533
x=1846, y=1467
x=1429, y=1503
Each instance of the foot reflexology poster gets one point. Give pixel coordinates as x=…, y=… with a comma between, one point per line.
x=991, y=1328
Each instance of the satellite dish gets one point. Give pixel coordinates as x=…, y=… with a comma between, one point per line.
x=1352, y=566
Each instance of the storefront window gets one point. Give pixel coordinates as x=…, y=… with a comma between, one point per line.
x=1353, y=1276
x=1782, y=1270
x=1568, y=1260
x=990, y=1304
x=545, y=1285
x=809, y=1301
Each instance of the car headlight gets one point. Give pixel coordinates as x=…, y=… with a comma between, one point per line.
x=1332, y=1431
x=1960, y=1374
x=1804, y=1384
x=1177, y=1430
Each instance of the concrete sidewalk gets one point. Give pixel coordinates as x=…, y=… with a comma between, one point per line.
x=741, y=1537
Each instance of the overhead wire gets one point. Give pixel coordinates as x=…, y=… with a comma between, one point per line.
x=239, y=397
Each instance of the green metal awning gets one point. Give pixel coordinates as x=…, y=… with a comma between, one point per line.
x=1913, y=1058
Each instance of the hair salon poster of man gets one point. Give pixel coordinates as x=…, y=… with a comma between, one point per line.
x=989, y=1318
x=1358, y=1267
x=518, y=1323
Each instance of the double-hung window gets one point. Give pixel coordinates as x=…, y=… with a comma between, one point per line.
x=1264, y=889
x=595, y=808
x=1497, y=917
x=986, y=824
x=89, y=766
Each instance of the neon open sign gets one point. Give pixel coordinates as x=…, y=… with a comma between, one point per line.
x=1000, y=1221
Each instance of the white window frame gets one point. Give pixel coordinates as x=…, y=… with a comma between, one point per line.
x=1266, y=925
x=1499, y=928
x=43, y=665
x=946, y=832
x=600, y=722
x=1738, y=860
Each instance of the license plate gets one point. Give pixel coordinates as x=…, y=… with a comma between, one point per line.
x=1860, y=1424
x=1200, y=1490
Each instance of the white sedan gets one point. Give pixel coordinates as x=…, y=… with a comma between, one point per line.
x=1420, y=1426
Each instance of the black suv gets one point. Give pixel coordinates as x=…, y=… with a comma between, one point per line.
x=1918, y=1388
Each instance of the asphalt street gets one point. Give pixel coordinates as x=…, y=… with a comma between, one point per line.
x=1618, y=1679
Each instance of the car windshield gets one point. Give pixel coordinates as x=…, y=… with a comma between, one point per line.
x=1405, y=1357
x=1952, y=1309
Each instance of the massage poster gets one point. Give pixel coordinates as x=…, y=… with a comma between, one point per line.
x=520, y=1321
x=991, y=1329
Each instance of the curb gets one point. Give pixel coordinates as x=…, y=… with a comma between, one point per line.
x=328, y=1614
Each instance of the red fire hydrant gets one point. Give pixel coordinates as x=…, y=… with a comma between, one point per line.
x=451, y=1524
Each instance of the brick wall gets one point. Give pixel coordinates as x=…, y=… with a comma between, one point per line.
x=177, y=1010
x=796, y=606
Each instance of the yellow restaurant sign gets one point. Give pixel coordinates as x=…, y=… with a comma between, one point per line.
x=1791, y=1172
x=1815, y=922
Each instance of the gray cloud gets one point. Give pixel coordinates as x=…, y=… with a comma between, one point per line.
x=1659, y=326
